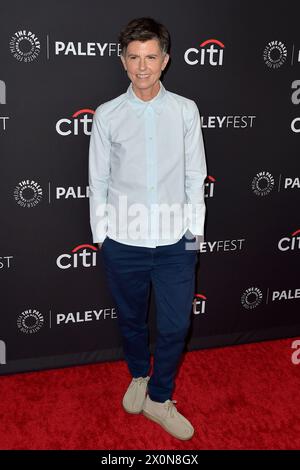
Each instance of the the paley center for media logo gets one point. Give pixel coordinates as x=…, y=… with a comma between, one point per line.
x=276, y=53
x=253, y=296
x=30, y=321
x=263, y=183
x=28, y=193
x=25, y=46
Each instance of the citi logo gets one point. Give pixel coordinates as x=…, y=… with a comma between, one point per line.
x=209, y=186
x=291, y=243
x=2, y=352
x=2, y=92
x=80, y=122
x=84, y=256
x=211, y=52
x=199, y=304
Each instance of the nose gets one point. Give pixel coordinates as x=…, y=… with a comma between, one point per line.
x=142, y=64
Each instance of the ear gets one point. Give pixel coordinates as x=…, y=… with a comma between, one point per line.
x=123, y=61
x=165, y=61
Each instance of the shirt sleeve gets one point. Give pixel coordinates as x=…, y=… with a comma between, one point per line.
x=99, y=170
x=195, y=171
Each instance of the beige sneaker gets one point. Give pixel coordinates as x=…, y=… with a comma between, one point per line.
x=169, y=418
x=134, y=398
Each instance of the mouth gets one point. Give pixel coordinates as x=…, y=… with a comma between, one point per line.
x=143, y=76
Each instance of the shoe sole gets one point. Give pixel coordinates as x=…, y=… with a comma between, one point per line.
x=157, y=420
x=131, y=412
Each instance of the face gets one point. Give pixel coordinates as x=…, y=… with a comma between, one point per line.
x=144, y=62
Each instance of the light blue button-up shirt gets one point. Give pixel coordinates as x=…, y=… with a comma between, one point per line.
x=147, y=169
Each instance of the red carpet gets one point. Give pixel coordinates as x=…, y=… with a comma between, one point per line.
x=241, y=397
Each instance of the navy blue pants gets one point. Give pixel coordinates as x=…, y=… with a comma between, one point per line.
x=130, y=271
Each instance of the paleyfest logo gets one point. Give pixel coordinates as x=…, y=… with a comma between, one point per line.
x=25, y=46
x=87, y=49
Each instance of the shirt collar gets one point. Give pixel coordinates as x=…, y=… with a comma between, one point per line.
x=139, y=105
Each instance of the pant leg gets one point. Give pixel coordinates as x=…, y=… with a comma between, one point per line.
x=128, y=276
x=173, y=279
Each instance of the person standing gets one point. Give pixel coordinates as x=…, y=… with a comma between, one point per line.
x=147, y=170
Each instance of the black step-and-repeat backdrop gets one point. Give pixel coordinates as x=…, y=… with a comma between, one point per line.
x=240, y=62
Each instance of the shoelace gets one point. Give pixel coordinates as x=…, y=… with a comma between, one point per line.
x=140, y=380
x=171, y=408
